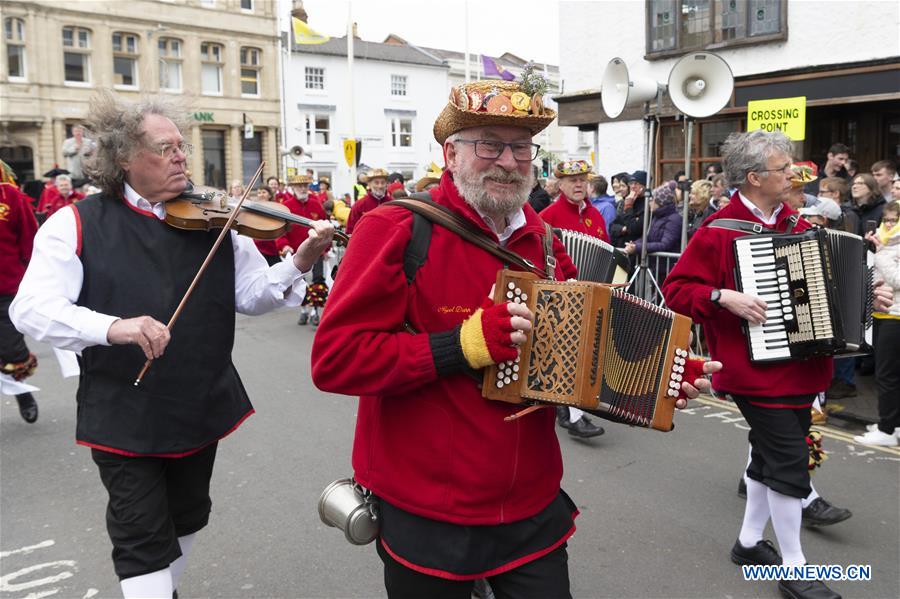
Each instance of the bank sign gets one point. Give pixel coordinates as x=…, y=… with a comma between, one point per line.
x=787, y=115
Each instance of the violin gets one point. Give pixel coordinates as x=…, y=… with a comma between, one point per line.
x=205, y=208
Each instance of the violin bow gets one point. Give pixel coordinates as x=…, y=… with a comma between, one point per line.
x=226, y=230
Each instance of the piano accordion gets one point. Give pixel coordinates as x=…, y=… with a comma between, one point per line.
x=595, y=259
x=595, y=348
x=817, y=288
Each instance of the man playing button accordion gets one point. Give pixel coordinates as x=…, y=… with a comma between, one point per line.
x=463, y=495
x=573, y=212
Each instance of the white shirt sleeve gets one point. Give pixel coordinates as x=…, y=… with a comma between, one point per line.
x=259, y=287
x=44, y=307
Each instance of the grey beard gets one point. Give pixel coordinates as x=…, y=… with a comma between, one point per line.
x=471, y=187
x=377, y=195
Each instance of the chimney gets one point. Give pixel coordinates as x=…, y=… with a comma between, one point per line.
x=297, y=10
x=355, y=32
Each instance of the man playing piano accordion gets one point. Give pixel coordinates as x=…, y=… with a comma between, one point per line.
x=774, y=397
x=572, y=211
x=463, y=494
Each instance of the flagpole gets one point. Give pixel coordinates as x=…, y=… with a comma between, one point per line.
x=466, y=28
x=282, y=157
x=350, y=91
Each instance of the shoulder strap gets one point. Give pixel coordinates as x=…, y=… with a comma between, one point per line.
x=749, y=226
x=417, y=248
x=436, y=213
x=549, y=256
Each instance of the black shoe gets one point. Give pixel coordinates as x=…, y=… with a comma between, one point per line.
x=742, y=488
x=27, y=407
x=304, y=318
x=482, y=589
x=585, y=429
x=806, y=589
x=562, y=416
x=840, y=390
x=761, y=554
x=822, y=513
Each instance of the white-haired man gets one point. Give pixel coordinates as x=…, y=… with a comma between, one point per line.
x=463, y=494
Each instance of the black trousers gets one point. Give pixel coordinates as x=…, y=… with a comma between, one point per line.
x=779, y=455
x=12, y=342
x=887, y=372
x=544, y=578
x=152, y=502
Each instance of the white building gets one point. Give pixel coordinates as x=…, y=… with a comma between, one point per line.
x=844, y=57
x=398, y=92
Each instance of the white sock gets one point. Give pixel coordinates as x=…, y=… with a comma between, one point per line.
x=809, y=498
x=186, y=543
x=575, y=414
x=756, y=513
x=156, y=585
x=786, y=515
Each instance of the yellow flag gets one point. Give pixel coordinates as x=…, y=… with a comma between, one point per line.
x=350, y=151
x=303, y=34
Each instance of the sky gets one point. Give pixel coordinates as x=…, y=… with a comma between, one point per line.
x=527, y=28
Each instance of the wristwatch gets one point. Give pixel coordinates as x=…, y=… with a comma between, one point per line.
x=715, y=295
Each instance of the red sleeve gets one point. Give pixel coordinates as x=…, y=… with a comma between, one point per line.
x=695, y=275
x=48, y=197
x=28, y=227
x=360, y=347
x=355, y=213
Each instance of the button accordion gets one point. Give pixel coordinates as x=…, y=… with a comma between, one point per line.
x=595, y=348
x=595, y=259
x=817, y=288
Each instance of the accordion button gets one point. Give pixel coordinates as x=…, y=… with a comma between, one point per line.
x=524, y=297
x=515, y=368
x=789, y=317
x=499, y=384
x=509, y=294
x=674, y=376
x=515, y=377
x=506, y=380
x=512, y=285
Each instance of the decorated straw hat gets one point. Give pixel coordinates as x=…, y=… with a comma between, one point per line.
x=376, y=173
x=432, y=176
x=570, y=168
x=491, y=103
x=803, y=173
x=299, y=180
x=325, y=180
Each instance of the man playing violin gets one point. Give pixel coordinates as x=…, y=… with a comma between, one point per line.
x=105, y=274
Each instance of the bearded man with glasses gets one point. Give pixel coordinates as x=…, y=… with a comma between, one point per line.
x=463, y=495
x=104, y=275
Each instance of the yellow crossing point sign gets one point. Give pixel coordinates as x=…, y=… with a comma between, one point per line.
x=787, y=115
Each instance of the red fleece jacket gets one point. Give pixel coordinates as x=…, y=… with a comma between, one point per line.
x=17, y=229
x=312, y=209
x=362, y=205
x=563, y=214
x=708, y=263
x=432, y=446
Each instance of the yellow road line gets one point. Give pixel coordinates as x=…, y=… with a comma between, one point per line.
x=826, y=431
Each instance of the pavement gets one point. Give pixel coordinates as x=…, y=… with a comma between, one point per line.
x=659, y=511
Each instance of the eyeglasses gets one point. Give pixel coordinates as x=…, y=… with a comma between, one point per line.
x=167, y=151
x=491, y=150
x=782, y=169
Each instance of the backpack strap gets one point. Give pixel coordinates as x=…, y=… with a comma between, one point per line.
x=417, y=248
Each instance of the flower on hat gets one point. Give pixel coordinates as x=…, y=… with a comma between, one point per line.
x=570, y=168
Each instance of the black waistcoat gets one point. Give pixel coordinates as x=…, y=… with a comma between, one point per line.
x=135, y=265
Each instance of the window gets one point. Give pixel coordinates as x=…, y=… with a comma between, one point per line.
x=705, y=147
x=250, y=65
x=211, y=69
x=398, y=85
x=169, y=64
x=125, y=57
x=208, y=3
x=214, y=158
x=681, y=25
x=315, y=78
x=77, y=54
x=247, y=5
x=14, y=30
x=401, y=133
x=318, y=130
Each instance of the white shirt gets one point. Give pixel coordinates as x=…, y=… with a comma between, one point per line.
x=513, y=223
x=45, y=308
x=758, y=213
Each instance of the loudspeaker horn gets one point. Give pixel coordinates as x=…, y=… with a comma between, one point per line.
x=700, y=84
x=619, y=90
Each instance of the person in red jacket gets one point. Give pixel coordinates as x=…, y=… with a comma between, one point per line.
x=17, y=229
x=467, y=496
x=774, y=397
x=376, y=182
x=574, y=212
x=58, y=196
x=305, y=204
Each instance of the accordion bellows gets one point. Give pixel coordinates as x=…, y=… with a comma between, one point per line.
x=595, y=348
